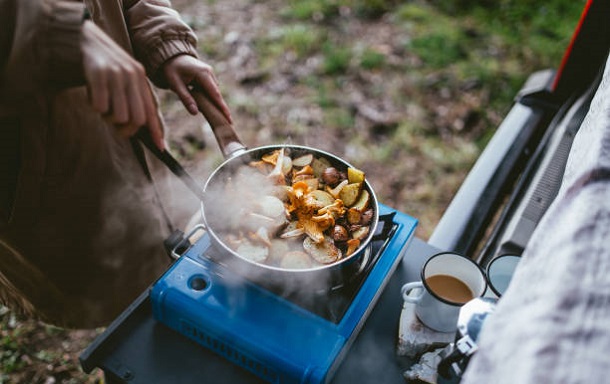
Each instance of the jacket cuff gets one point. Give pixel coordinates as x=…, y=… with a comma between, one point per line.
x=165, y=50
x=60, y=44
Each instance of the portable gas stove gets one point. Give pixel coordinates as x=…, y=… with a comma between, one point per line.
x=278, y=338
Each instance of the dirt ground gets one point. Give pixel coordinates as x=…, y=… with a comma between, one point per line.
x=272, y=104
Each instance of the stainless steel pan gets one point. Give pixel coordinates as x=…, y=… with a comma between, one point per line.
x=236, y=155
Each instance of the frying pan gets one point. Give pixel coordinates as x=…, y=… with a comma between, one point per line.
x=236, y=154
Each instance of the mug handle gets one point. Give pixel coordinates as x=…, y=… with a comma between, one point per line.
x=408, y=288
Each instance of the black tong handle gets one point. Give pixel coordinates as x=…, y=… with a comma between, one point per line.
x=170, y=161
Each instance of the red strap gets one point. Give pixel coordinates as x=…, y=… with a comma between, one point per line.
x=568, y=52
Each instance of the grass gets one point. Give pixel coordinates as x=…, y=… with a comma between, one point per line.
x=448, y=50
x=439, y=40
x=33, y=352
x=371, y=59
x=451, y=50
x=337, y=59
x=497, y=43
x=300, y=39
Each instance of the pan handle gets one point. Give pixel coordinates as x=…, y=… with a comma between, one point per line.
x=226, y=136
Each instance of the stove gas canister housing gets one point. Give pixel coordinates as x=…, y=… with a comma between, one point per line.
x=272, y=337
x=251, y=327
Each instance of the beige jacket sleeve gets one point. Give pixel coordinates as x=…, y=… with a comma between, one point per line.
x=157, y=34
x=40, y=48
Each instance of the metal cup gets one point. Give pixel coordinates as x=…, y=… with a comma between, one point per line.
x=432, y=308
x=500, y=272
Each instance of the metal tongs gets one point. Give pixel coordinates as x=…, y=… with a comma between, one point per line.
x=223, y=130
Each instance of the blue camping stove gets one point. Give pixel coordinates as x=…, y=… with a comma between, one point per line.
x=280, y=338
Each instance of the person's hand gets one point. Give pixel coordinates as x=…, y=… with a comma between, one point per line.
x=118, y=86
x=184, y=73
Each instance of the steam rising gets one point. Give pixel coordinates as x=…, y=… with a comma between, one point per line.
x=234, y=201
x=230, y=199
x=127, y=252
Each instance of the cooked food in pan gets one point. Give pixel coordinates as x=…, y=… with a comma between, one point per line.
x=294, y=212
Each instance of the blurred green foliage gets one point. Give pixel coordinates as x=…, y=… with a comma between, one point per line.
x=454, y=64
x=509, y=38
x=323, y=9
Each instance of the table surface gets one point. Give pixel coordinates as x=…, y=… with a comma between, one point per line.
x=135, y=348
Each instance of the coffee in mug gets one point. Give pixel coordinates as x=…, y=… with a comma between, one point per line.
x=450, y=288
x=448, y=281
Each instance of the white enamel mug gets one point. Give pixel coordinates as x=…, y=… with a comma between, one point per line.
x=433, y=309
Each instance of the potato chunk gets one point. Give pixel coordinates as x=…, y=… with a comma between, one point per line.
x=324, y=252
x=296, y=260
x=349, y=194
x=355, y=175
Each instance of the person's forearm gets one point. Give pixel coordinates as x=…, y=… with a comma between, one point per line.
x=157, y=34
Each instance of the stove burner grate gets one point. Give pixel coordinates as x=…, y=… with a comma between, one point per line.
x=330, y=299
